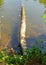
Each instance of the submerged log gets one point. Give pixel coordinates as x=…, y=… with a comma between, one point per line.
x=22, y=33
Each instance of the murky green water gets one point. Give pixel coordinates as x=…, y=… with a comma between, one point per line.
x=35, y=19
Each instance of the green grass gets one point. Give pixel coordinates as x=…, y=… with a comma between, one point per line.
x=33, y=56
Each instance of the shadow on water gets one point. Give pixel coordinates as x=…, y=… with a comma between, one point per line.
x=15, y=36
x=39, y=41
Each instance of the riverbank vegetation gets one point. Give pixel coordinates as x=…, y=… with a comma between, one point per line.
x=33, y=56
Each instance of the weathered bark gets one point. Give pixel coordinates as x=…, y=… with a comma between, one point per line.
x=22, y=33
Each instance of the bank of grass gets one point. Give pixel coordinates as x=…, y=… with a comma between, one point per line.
x=33, y=56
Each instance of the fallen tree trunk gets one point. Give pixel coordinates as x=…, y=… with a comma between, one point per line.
x=22, y=33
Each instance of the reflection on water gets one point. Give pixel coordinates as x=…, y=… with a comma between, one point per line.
x=1, y=2
x=42, y=2
x=44, y=13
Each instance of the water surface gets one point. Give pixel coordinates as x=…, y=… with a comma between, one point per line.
x=35, y=20
x=9, y=22
x=36, y=25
